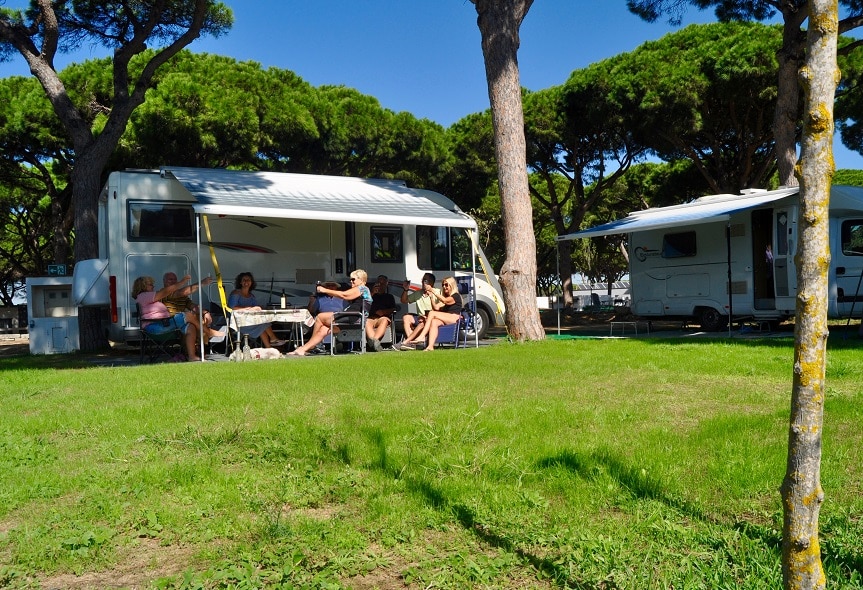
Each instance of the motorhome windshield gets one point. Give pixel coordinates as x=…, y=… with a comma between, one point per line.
x=852, y=237
x=443, y=248
x=160, y=222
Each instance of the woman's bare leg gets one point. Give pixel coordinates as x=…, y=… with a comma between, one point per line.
x=434, y=327
x=319, y=332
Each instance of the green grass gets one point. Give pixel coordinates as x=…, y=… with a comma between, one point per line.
x=561, y=464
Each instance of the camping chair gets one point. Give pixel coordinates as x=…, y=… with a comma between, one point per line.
x=153, y=346
x=468, y=312
x=351, y=331
x=451, y=334
x=389, y=336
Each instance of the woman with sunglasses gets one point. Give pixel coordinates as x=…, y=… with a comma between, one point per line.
x=358, y=297
x=447, y=306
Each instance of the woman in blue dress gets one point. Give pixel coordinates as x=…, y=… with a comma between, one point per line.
x=243, y=298
x=357, y=298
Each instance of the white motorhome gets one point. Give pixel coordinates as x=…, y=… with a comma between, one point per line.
x=289, y=230
x=708, y=260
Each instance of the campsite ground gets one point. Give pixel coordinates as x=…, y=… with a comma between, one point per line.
x=597, y=324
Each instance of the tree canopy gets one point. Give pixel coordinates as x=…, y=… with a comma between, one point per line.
x=706, y=93
x=45, y=28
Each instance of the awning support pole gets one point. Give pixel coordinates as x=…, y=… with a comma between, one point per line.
x=562, y=283
x=200, y=289
x=728, y=247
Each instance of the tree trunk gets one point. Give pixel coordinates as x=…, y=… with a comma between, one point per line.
x=86, y=184
x=92, y=152
x=565, y=254
x=499, y=22
x=801, y=488
x=788, y=96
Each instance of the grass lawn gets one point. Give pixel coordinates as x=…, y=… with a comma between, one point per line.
x=590, y=464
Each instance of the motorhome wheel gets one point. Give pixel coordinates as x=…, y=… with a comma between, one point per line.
x=711, y=320
x=482, y=321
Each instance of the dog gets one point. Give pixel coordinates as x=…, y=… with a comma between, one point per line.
x=256, y=354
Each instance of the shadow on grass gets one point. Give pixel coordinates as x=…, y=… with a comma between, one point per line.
x=640, y=485
x=467, y=519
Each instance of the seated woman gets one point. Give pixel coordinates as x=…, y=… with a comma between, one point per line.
x=155, y=317
x=446, y=310
x=242, y=298
x=359, y=298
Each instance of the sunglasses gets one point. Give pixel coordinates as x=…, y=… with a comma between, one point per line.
x=352, y=279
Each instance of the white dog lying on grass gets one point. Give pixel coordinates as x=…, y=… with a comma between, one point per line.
x=257, y=354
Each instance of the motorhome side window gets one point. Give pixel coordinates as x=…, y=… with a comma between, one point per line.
x=461, y=249
x=161, y=222
x=678, y=245
x=433, y=248
x=852, y=237
x=387, y=244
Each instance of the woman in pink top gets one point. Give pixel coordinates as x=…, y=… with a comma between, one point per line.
x=155, y=317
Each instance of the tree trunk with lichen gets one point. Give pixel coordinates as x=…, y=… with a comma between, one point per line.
x=801, y=489
x=499, y=22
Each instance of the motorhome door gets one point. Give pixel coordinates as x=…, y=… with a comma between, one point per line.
x=763, y=259
x=784, y=272
x=848, y=265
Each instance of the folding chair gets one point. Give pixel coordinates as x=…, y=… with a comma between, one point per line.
x=389, y=336
x=451, y=334
x=348, y=328
x=468, y=312
x=153, y=346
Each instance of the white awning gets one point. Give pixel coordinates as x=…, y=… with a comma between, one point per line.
x=309, y=196
x=703, y=210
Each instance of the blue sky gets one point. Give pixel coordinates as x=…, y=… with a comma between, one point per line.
x=421, y=56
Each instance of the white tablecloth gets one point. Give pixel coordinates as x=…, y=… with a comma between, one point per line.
x=242, y=317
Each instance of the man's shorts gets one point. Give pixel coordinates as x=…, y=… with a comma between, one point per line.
x=175, y=322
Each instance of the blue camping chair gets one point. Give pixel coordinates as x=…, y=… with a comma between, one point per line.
x=456, y=334
x=452, y=334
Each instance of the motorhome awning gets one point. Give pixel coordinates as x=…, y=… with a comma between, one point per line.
x=308, y=196
x=703, y=210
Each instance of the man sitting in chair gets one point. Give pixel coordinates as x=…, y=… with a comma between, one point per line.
x=380, y=314
x=180, y=301
x=413, y=323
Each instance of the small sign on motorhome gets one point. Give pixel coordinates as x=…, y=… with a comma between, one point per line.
x=644, y=253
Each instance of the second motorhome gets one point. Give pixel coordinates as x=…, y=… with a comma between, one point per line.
x=725, y=256
x=289, y=230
